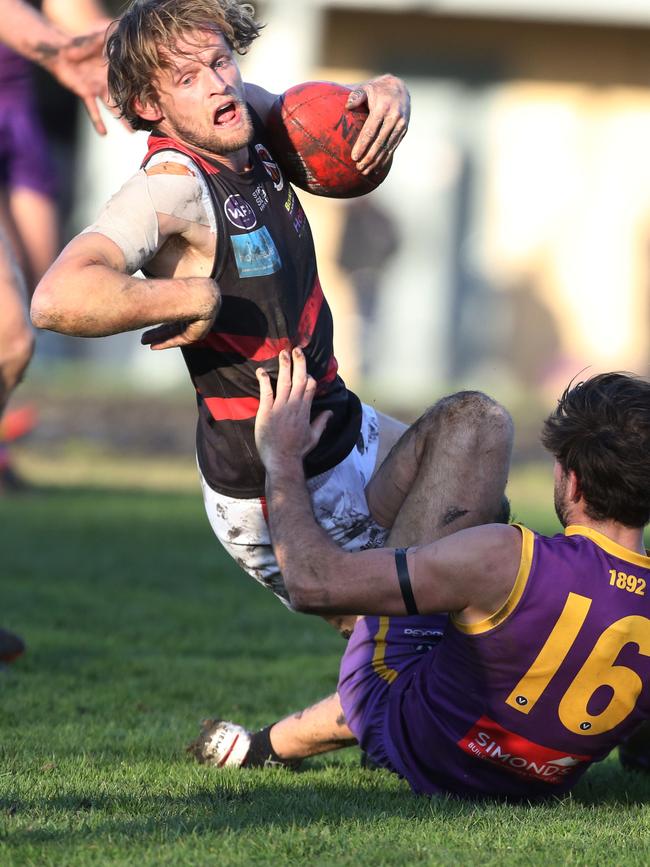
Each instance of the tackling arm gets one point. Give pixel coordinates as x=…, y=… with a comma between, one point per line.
x=471, y=572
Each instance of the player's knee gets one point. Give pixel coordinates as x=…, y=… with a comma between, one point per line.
x=469, y=416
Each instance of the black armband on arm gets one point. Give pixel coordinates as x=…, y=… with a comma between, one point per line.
x=405, y=581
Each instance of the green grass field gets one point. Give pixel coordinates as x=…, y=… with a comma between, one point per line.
x=138, y=626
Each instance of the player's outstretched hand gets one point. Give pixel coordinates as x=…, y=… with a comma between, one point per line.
x=81, y=67
x=283, y=430
x=389, y=105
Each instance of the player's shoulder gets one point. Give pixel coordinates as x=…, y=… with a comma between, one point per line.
x=260, y=100
x=171, y=163
x=176, y=187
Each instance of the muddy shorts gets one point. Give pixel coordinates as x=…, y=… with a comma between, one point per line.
x=380, y=651
x=340, y=507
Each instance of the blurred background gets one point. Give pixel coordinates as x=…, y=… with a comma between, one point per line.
x=508, y=250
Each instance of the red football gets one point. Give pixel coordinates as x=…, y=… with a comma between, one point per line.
x=312, y=134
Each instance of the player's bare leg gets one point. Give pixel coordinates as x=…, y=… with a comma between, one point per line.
x=448, y=471
x=16, y=336
x=35, y=218
x=16, y=346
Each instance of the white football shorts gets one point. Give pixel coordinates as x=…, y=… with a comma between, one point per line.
x=340, y=507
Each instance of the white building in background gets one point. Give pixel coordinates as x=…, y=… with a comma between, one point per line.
x=519, y=202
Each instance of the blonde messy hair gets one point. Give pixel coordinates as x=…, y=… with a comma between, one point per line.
x=146, y=26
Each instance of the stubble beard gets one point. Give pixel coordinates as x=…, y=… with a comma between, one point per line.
x=559, y=501
x=215, y=142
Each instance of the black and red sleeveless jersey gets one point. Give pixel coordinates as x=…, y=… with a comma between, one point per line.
x=272, y=299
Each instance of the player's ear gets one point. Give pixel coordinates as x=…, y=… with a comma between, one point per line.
x=574, y=489
x=150, y=111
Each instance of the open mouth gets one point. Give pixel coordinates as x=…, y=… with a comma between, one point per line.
x=226, y=114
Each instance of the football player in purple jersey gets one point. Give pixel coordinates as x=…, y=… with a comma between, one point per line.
x=25, y=206
x=543, y=664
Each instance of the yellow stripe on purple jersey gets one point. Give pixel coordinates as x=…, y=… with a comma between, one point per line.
x=521, y=704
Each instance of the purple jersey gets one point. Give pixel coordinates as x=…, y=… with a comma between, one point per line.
x=521, y=704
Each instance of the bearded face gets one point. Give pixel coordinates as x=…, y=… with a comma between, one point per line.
x=201, y=96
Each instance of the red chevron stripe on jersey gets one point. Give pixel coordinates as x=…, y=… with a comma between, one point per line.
x=251, y=348
x=232, y=408
x=242, y=408
x=330, y=374
x=158, y=143
x=256, y=348
x=310, y=314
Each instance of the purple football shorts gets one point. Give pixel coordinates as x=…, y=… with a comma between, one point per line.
x=25, y=159
x=381, y=650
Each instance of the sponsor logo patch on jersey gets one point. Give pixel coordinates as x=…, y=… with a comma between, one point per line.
x=295, y=211
x=239, y=212
x=256, y=254
x=489, y=741
x=261, y=197
x=299, y=221
x=271, y=167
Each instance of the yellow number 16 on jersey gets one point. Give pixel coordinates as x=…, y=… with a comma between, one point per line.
x=598, y=670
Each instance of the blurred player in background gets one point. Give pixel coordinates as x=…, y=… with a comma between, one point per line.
x=28, y=231
x=543, y=666
x=27, y=174
x=28, y=185
x=230, y=265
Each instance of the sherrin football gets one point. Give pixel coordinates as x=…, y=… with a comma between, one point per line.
x=312, y=134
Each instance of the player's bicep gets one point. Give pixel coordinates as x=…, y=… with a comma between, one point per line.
x=473, y=569
x=379, y=581
x=93, y=248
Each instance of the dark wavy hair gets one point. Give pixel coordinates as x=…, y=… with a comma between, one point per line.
x=146, y=26
x=601, y=430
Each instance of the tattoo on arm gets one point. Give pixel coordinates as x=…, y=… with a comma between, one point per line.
x=452, y=515
x=45, y=51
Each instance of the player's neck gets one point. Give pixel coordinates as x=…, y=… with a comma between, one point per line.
x=630, y=538
x=238, y=161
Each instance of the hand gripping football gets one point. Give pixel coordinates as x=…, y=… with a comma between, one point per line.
x=312, y=134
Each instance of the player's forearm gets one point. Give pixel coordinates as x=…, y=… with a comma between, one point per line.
x=306, y=555
x=94, y=300
x=28, y=33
